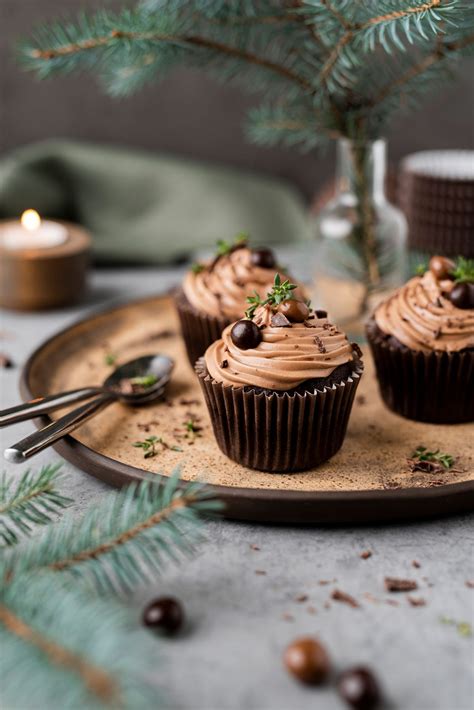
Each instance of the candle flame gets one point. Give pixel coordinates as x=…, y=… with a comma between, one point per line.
x=30, y=220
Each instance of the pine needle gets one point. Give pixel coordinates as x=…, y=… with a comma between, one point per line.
x=125, y=539
x=61, y=649
x=31, y=500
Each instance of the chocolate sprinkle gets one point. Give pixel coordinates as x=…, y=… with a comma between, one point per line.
x=224, y=363
x=366, y=554
x=340, y=596
x=416, y=601
x=5, y=361
x=320, y=344
x=280, y=321
x=394, y=584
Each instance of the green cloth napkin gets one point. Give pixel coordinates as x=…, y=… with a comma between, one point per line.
x=147, y=208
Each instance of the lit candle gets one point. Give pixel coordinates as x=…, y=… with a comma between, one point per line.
x=31, y=232
x=43, y=264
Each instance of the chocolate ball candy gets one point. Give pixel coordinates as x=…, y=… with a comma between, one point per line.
x=462, y=295
x=164, y=615
x=264, y=258
x=296, y=311
x=245, y=334
x=359, y=688
x=441, y=267
x=307, y=660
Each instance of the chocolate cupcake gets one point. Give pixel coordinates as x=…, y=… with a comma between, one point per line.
x=213, y=294
x=422, y=341
x=280, y=384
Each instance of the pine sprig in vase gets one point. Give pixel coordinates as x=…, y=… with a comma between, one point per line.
x=326, y=68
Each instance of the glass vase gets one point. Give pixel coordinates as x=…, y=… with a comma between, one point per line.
x=360, y=238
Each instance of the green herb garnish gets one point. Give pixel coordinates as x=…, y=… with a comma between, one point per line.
x=421, y=453
x=145, y=381
x=421, y=268
x=464, y=271
x=224, y=247
x=196, y=268
x=149, y=446
x=281, y=291
x=463, y=628
x=110, y=359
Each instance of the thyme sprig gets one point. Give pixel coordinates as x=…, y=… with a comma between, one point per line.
x=196, y=268
x=149, y=446
x=464, y=271
x=281, y=291
x=224, y=247
x=430, y=461
x=144, y=381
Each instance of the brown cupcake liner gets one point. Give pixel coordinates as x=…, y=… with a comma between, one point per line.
x=279, y=432
x=199, y=330
x=436, y=387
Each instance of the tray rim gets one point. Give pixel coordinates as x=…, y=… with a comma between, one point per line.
x=322, y=507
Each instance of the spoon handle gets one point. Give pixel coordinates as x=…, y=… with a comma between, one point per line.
x=43, y=405
x=41, y=439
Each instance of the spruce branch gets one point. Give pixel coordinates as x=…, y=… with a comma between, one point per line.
x=125, y=539
x=62, y=649
x=29, y=501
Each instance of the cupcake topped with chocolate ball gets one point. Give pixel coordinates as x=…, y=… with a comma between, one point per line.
x=434, y=310
x=422, y=341
x=280, y=345
x=220, y=286
x=214, y=293
x=280, y=383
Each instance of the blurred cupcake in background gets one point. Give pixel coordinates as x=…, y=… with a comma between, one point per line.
x=214, y=293
x=422, y=341
x=280, y=383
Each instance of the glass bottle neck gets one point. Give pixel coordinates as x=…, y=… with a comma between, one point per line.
x=361, y=170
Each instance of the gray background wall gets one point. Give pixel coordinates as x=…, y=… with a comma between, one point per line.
x=187, y=114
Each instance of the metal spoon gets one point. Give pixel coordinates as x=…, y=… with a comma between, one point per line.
x=159, y=366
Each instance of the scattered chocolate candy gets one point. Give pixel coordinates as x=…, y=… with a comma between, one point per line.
x=320, y=313
x=245, y=334
x=462, y=295
x=295, y=311
x=264, y=258
x=307, y=660
x=442, y=267
x=279, y=320
x=165, y=615
x=359, y=688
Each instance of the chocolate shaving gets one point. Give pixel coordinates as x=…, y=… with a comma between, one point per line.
x=224, y=363
x=5, y=362
x=308, y=325
x=311, y=610
x=287, y=617
x=188, y=402
x=470, y=583
x=279, y=320
x=416, y=601
x=416, y=564
x=426, y=466
x=301, y=598
x=437, y=333
x=394, y=584
x=320, y=313
x=260, y=572
x=255, y=547
x=340, y=596
x=366, y=554
x=320, y=344
x=361, y=399
x=356, y=349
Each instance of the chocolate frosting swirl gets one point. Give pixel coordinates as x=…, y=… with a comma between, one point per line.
x=222, y=287
x=285, y=358
x=421, y=316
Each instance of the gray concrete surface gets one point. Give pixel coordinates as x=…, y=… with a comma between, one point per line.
x=239, y=623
